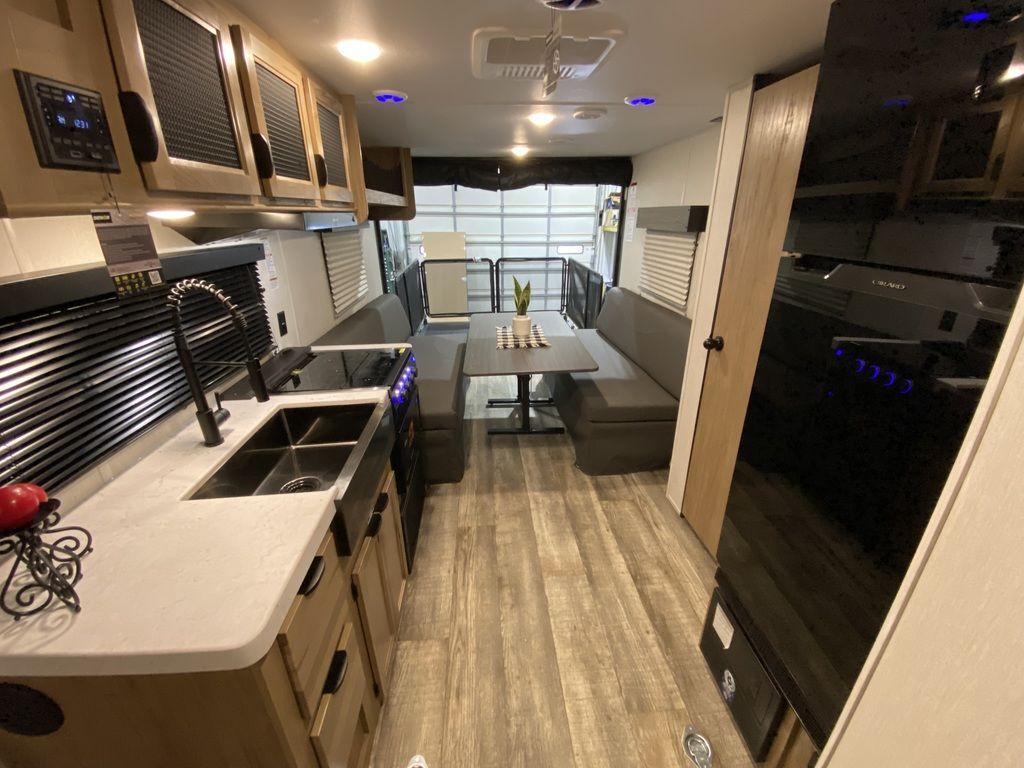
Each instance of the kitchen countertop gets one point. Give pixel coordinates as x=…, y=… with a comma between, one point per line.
x=173, y=585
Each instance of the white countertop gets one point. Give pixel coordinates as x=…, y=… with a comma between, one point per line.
x=175, y=585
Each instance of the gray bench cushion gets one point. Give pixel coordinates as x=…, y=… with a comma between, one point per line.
x=439, y=362
x=651, y=336
x=617, y=391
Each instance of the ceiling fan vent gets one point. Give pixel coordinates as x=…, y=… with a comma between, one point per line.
x=506, y=54
x=571, y=5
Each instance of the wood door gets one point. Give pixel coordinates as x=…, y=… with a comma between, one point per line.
x=372, y=599
x=277, y=107
x=336, y=150
x=392, y=550
x=180, y=96
x=967, y=151
x=771, y=160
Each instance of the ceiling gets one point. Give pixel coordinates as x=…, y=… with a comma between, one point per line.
x=684, y=52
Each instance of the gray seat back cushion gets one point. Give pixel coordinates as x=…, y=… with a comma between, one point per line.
x=651, y=336
x=394, y=321
x=382, y=321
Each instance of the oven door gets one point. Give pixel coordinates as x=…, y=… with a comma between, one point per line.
x=866, y=382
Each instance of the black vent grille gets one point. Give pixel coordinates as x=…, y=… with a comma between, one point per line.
x=183, y=62
x=281, y=111
x=334, y=153
x=80, y=380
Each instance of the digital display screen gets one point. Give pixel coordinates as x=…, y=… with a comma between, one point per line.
x=75, y=121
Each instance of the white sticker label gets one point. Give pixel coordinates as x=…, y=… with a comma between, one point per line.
x=723, y=627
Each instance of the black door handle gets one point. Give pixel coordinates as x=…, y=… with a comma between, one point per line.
x=374, y=526
x=716, y=343
x=313, y=576
x=322, y=177
x=262, y=156
x=382, y=503
x=336, y=674
x=141, y=129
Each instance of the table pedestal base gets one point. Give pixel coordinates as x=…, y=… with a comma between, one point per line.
x=524, y=402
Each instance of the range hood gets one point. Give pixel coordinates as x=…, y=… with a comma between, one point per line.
x=208, y=226
x=673, y=218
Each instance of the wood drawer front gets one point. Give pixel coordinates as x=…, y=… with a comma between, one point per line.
x=310, y=632
x=342, y=732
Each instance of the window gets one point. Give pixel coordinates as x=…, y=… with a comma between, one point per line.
x=346, y=269
x=539, y=222
x=667, y=267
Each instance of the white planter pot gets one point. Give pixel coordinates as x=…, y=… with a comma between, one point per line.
x=521, y=326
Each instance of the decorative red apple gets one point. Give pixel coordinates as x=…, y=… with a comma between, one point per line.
x=19, y=504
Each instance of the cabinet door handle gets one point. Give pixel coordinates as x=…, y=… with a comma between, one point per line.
x=321, y=170
x=716, y=343
x=313, y=576
x=261, y=154
x=141, y=128
x=382, y=503
x=336, y=674
x=374, y=526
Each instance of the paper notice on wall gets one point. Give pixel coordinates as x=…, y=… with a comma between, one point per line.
x=632, y=209
x=723, y=627
x=126, y=242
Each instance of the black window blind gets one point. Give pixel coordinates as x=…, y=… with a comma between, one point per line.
x=80, y=380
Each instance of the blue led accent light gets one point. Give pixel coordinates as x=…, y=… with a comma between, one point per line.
x=875, y=371
x=906, y=386
x=975, y=17
x=840, y=352
x=890, y=378
x=861, y=364
x=641, y=101
x=898, y=101
x=390, y=97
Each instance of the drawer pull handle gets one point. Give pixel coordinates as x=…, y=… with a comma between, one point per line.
x=336, y=674
x=382, y=503
x=313, y=576
x=374, y=527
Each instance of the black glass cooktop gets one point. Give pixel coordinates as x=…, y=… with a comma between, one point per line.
x=344, y=369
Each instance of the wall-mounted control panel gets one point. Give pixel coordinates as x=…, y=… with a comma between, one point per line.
x=68, y=124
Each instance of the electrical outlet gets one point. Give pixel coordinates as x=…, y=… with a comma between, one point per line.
x=282, y=323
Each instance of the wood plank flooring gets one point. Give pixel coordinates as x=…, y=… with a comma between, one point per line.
x=552, y=619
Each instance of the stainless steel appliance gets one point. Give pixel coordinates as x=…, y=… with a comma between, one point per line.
x=303, y=369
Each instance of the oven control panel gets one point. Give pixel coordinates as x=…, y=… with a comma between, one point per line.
x=68, y=124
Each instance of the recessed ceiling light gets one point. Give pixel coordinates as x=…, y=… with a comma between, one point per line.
x=359, y=50
x=520, y=150
x=390, y=97
x=540, y=119
x=171, y=214
x=640, y=101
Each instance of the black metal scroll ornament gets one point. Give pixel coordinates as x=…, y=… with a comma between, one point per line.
x=43, y=570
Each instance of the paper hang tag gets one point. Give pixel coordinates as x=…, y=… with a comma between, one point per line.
x=129, y=251
x=723, y=627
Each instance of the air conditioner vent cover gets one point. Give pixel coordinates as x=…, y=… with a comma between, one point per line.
x=507, y=54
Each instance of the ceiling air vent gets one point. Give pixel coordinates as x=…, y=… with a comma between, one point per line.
x=500, y=53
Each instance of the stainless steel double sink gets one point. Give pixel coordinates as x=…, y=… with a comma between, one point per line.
x=310, y=448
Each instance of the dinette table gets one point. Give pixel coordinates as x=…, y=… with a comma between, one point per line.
x=566, y=354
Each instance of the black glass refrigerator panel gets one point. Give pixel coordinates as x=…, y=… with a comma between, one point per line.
x=866, y=383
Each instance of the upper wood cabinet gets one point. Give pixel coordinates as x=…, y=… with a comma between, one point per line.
x=180, y=96
x=336, y=151
x=387, y=172
x=277, y=108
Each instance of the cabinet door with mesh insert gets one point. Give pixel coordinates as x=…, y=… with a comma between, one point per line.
x=278, y=113
x=180, y=96
x=336, y=150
